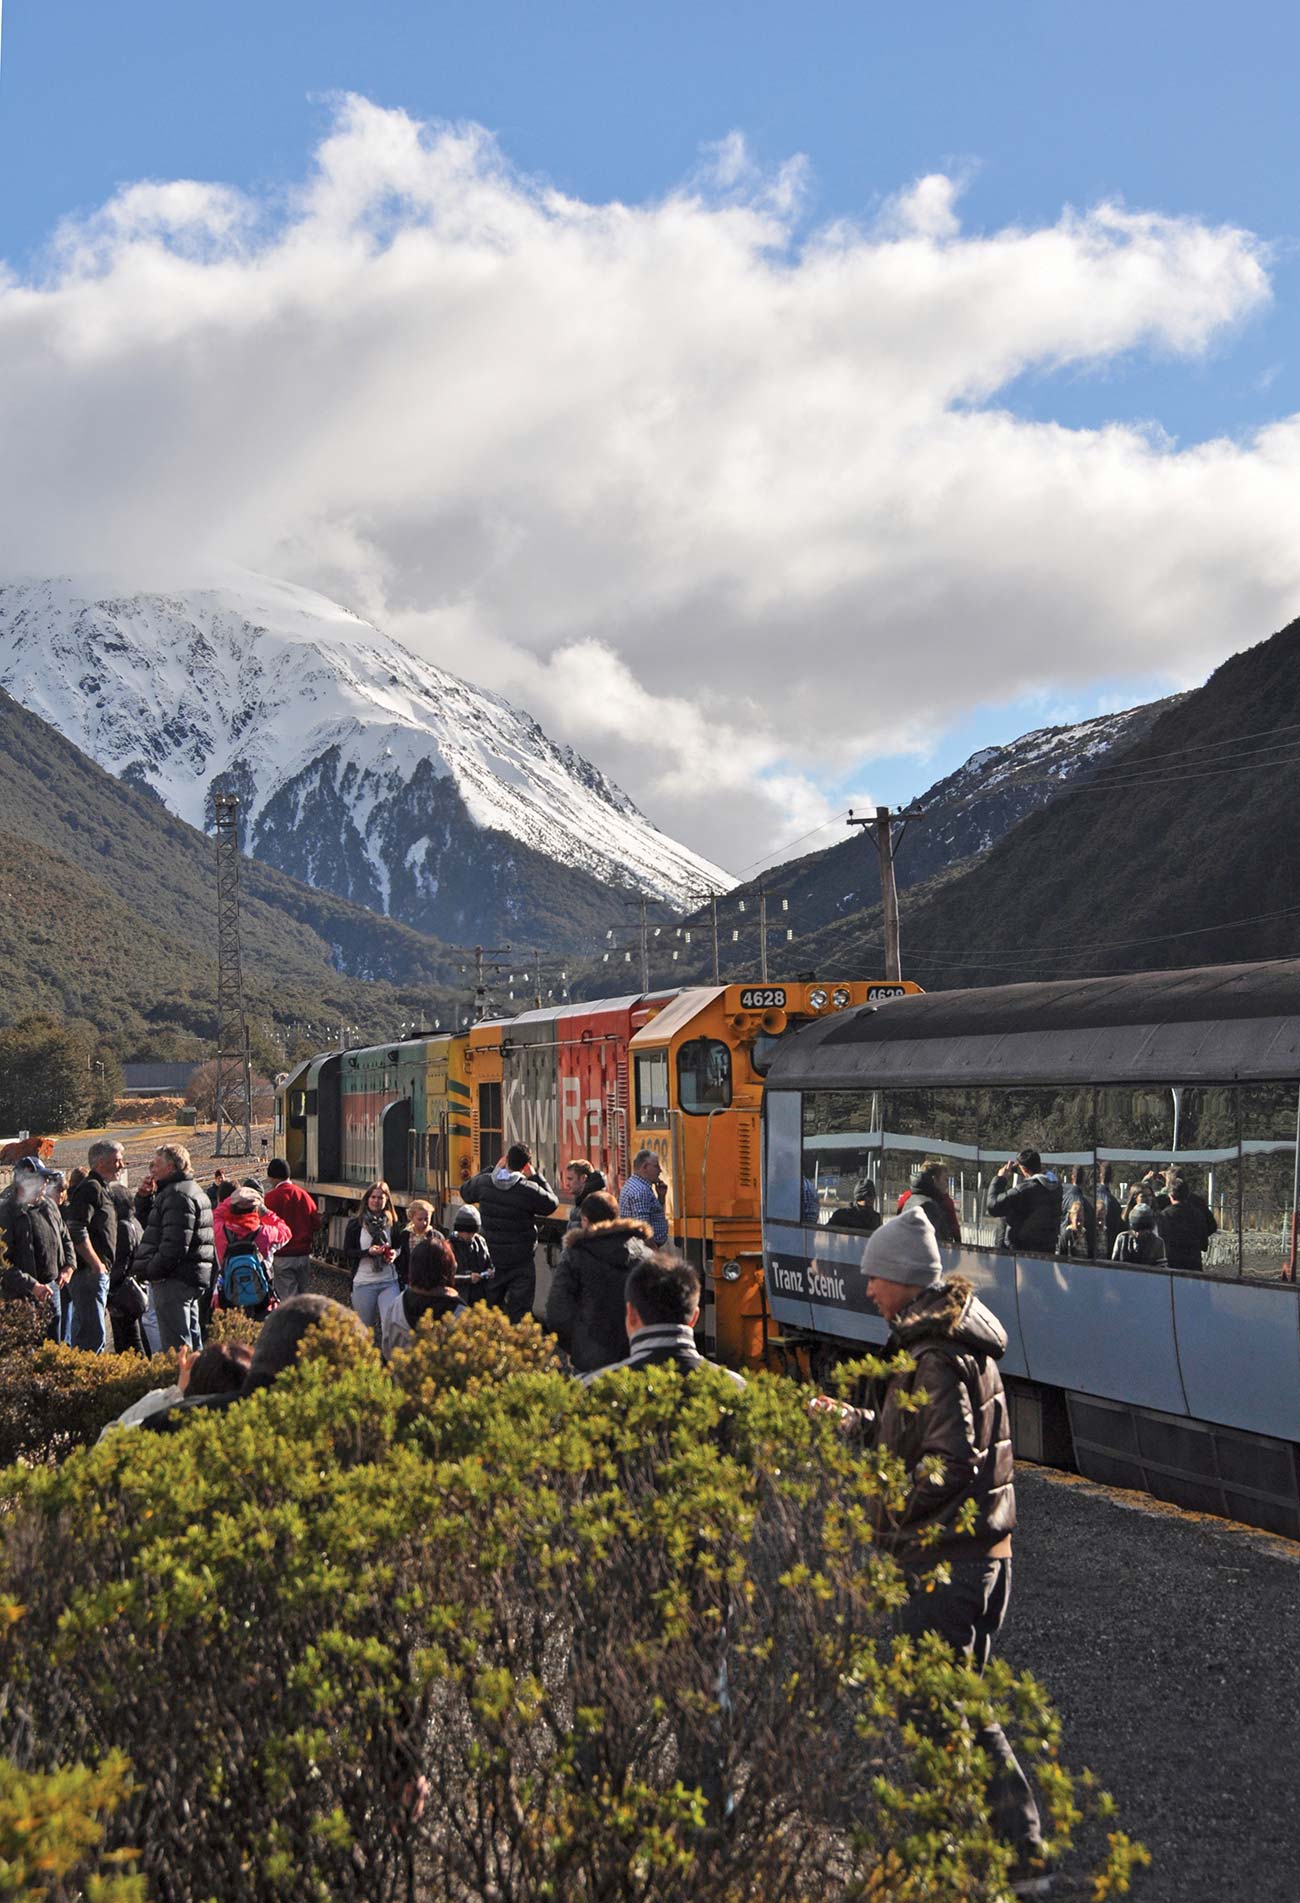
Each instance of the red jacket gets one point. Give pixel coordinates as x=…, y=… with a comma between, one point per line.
x=270, y=1231
x=293, y=1205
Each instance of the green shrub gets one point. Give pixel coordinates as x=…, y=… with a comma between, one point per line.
x=439, y=1638
x=52, y=1827
x=54, y=1399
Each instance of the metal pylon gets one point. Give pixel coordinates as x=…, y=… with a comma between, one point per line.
x=234, y=1091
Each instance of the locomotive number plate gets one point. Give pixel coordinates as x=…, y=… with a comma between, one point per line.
x=763, y=998
x=876, y=992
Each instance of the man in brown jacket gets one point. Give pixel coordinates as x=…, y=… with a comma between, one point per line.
x=961, y=1431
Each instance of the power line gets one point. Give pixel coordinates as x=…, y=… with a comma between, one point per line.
x=777, y=851
x=1035, y=954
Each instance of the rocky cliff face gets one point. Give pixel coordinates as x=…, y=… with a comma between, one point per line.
x=361, y=769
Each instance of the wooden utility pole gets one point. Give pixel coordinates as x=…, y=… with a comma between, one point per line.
x=881, y=826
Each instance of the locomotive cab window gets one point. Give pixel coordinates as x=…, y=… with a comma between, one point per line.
x=651, y=1088
x=297, y=1109
x=704, y=1075
x=765, y=1047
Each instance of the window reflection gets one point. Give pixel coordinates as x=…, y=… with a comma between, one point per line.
x=841, y=1149
x=1268, y=1181
x=1038, y=1167
x=1201, y=1176
x=930, y=1150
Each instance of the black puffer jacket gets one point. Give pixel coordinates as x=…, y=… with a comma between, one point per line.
x=1031, y=1210
x=177, y=1240
x=37, y=1246
x=511, y=1206
x=956, y=1345
x=586, y=1306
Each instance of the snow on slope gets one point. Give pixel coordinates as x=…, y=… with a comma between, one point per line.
x=262, y=680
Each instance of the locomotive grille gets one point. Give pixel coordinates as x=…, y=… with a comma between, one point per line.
x=745, y=1159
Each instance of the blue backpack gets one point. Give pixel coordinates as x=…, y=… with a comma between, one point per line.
x=245, y=1282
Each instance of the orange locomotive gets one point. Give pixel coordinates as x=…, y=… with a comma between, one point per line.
x=677, y=1072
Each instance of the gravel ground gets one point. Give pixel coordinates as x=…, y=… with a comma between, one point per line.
x=1170, y=1643
x=140, y=1140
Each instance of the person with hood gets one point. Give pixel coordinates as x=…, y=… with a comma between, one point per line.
x=1028, y=1202
x=474, y=1269
x=175, y=1255
x=861, y=1213
x=581, y=1179
x=430, y=1290
x=944, y=1416
x=930, y=1187
x=512, y=1199
x=39, y=1257
x=1138, y=1241
x=1186, y=1224
x=239, y=1224
x=586, y=1310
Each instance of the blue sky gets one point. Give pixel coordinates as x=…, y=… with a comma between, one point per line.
x=1181, y=109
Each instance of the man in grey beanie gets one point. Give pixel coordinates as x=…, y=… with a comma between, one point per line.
x=955, y=1445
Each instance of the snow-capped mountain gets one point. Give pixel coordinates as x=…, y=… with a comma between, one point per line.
x=361, y=768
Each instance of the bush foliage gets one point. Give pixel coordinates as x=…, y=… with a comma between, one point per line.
x=471, y=1630
x=55, y=1399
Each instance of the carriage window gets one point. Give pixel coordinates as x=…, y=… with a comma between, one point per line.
x=298, y=1109
x=1206, y=1158
x=1059, y=1216
x=704, y=1075
x=1269, y=1115
x=932, y=1133
x=1149, y=1133
x=651, y=1088
x=841, y=1148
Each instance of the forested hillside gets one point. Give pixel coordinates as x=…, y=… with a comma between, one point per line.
x=107, y=913
x=1184, y=851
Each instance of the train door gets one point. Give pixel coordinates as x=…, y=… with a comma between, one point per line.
x=395, y=1130
x=324, y=1115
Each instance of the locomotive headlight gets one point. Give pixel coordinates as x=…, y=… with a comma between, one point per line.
x=731, y=1271
x=817, y=999
x=840, y=997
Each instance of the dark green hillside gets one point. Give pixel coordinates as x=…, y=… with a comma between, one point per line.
x=107, y=912
x=1186, y=851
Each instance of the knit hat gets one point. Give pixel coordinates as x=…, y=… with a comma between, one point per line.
x=243, y=1198
x=904, y=1249
x=1142, y=1216
x=467, y=1217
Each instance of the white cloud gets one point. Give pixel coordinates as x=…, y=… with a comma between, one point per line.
x=729, y=503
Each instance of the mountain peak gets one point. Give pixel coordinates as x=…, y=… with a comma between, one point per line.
x=345, y=747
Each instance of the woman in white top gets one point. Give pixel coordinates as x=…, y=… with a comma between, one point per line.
x=370, y=1251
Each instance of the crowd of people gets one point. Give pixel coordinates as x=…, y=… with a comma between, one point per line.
x=1163, y=1221
x=620, y=1300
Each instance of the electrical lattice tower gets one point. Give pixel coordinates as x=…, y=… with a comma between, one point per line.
x=234, y=1090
